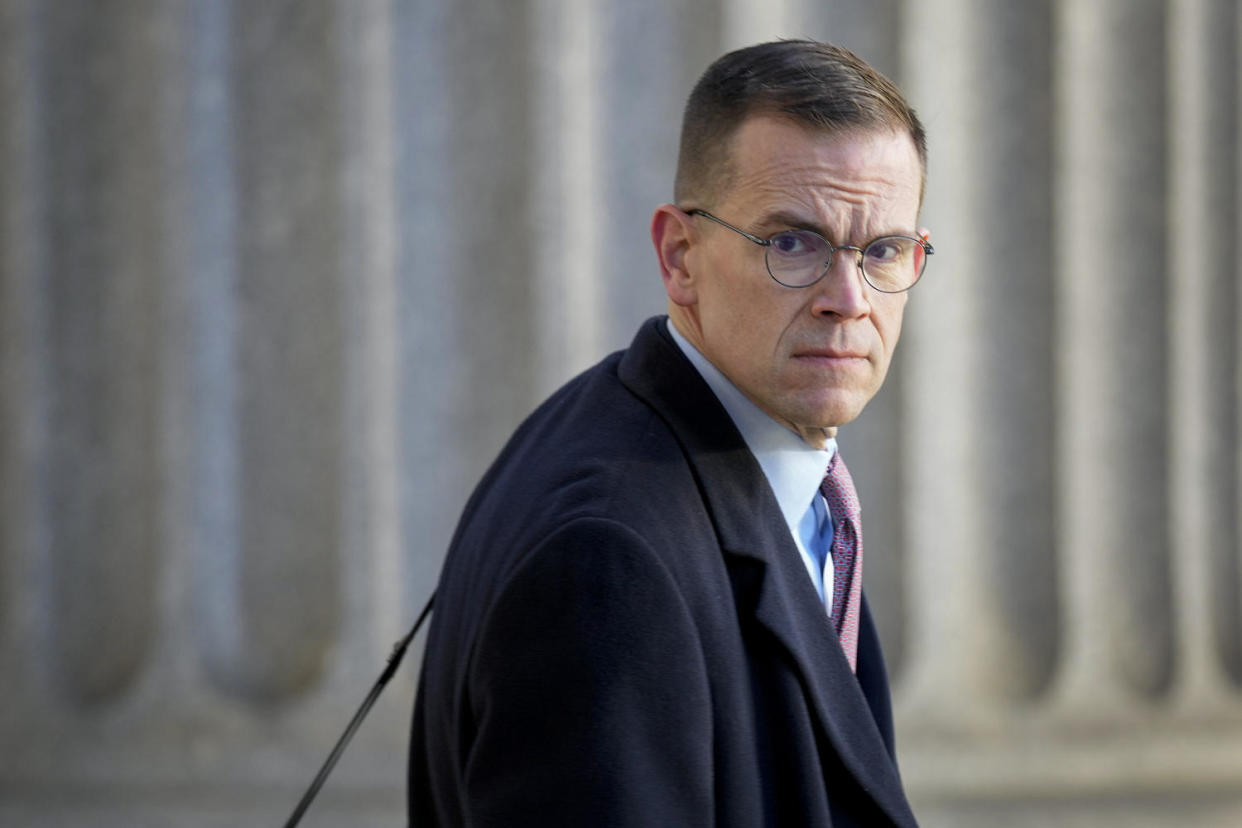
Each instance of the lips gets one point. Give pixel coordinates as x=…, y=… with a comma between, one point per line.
x=828, y=353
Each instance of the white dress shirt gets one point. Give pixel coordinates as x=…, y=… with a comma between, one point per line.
x=793, y=468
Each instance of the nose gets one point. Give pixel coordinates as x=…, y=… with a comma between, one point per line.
x=843, y=290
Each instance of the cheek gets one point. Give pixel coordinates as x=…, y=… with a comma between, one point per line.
x=887, y=316
x=747, y=313
x=738, y=300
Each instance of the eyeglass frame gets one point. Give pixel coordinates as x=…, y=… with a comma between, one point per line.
x=928, y=250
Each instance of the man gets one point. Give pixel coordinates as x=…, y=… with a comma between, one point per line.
x=651, y=612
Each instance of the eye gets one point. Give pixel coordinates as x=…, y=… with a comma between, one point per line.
x=797, y=244
x=887, y=251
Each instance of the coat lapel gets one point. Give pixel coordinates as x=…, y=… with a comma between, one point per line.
x=754, y=537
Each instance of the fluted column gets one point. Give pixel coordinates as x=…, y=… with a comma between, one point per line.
x=1112, y=365
x=1203, y=301
x=288, y=337
x=374, y=580
x=485, y=225
x=568, y=215
x=24, y=388
x=978, y=351
x=641, y=57
x=103, y=297
x=200, y=616
x=430, y=235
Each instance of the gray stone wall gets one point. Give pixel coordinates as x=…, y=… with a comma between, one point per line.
x=278, y=278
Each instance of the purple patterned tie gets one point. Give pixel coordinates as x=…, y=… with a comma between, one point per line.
x=847, y=555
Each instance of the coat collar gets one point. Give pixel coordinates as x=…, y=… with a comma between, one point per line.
x=769, y=579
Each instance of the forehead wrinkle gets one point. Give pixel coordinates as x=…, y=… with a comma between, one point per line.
x=824, y=190
x=826, y=212
x=768, y=163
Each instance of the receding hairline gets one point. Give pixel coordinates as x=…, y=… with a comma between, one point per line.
x=712, y=188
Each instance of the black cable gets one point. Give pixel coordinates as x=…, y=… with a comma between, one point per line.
x=394, y=661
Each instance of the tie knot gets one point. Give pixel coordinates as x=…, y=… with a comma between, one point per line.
x=838, y=490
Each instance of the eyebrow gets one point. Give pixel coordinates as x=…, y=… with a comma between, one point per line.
x=784, y=220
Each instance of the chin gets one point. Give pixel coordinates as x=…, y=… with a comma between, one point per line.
x=831, y=416
x=829, y=404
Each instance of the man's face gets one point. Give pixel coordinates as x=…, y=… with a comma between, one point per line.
x=810, y=357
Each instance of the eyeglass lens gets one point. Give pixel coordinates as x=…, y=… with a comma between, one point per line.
x=891, y=263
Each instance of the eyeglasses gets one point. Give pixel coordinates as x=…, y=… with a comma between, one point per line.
x=800, y=258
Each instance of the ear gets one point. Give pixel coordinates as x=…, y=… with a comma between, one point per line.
x=672, y=233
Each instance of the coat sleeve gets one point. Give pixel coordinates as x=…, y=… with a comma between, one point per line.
x=588, y=692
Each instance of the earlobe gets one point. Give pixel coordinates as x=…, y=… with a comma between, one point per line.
x=672, y=235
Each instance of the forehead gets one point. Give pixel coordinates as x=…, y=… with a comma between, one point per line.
x=777, y=164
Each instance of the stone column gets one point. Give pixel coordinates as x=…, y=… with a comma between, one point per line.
x=25, y=395
x=484, y=227
x=200, y=422
x=1112, y=363
x=102, y=295
x=429, y=234
x=374, y=575
x=1203, y=303
x=568, y=217
x=978, y=364
x=650, y=53
x=463, y=88
x=288, y=297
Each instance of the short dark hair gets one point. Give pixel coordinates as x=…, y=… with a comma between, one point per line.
x=818, y=85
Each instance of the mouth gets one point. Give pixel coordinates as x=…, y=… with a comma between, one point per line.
x=829, y=355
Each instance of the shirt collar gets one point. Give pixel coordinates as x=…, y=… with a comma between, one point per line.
x=793, y=468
